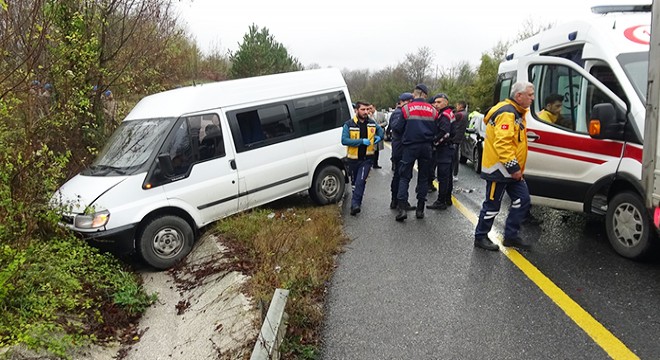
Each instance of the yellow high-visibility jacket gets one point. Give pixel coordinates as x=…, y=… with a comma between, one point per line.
x=505, y=147
x=351, y=137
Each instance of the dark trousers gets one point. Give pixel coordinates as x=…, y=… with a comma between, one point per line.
x=359, y=170
x=396, y=177
x=520, y=203
x=454, y=163
x=443, y=157
x=421, y=153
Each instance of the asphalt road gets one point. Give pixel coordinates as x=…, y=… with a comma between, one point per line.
x=420, y=290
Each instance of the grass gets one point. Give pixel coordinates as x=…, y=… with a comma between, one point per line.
x=289, y=244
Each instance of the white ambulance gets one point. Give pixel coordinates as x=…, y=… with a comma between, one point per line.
x=186, y=157
x=599, y=67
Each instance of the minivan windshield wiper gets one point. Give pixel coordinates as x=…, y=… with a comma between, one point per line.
x=106, y=169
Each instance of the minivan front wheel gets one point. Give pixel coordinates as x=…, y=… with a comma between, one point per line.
x=328, y=185
x=165, y=240
x=628, y=225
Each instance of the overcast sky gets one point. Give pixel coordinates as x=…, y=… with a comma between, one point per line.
x=369, y=34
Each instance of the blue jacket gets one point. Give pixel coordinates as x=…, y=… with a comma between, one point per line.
x=397, y=146
x=419, y=125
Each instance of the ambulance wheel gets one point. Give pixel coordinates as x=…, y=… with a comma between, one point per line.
x=629, y=225
x=328, y=186
x=165, y=240
x=477, y=159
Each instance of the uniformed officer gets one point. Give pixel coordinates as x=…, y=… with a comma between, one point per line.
x=418, y=133
x=397, y=149
x=443, y=150
x=360, y=134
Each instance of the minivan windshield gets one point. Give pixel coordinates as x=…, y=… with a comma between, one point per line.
x=130, y=146
x=636, y=67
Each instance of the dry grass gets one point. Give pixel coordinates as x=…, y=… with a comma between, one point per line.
x=289, y=244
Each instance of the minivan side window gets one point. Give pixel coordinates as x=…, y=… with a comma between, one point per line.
x=269, y=124
x=194, y=139
x=321, y=112
x=263, y=124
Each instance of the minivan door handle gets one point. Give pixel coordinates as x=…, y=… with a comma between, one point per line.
x=232, y=163
x=531, y=136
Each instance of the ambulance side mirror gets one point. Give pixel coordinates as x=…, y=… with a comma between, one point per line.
x=603, y=123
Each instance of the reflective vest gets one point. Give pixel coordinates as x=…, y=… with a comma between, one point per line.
x=354, y=133
x=505, y=147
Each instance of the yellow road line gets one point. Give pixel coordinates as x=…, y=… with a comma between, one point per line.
x=603, y=337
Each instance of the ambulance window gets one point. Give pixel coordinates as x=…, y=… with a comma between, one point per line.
x=605, y=75
x=557, y=96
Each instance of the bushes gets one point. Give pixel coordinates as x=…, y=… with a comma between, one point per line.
x=57, y=294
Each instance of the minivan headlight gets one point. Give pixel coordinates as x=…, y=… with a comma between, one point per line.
x=92, y=221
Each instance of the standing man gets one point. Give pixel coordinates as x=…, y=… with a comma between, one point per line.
x=418, y=130
x=379, y=118
x=360, y=134
x=443, y=151
x=503, y=164
x=458, y=127
x=397, y=149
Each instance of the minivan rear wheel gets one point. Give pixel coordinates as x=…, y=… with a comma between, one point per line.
x=165, y=240
x=628, y=225
x=328, y=185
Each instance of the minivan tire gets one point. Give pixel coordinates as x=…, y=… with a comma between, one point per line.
x=328, y=185
x=628, y=225
x=165, y=240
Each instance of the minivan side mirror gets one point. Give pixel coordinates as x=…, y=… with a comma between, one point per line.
x=603, y=123
x=165, y=163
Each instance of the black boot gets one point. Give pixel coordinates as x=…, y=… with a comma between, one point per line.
x=419, y=212
x=402, y=214
x=437, y=205
x=486, y=244
x=393, y=204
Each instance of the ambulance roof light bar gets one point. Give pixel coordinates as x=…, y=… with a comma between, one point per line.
x=606, y=9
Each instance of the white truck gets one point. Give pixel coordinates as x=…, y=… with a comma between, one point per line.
x=651, y=153
x=589, y=158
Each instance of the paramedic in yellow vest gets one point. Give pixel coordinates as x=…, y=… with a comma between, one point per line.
x=502, y=166
x=360, y=134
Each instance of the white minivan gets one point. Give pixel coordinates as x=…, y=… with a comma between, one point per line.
x=186, y=157
x=581, y=162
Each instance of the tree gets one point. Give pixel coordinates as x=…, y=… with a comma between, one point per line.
x=419, y=65
x=259, y=54
x=480, y=93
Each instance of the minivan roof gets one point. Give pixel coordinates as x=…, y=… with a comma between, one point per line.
x=177, y=102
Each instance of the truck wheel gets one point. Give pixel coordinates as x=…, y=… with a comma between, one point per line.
x=477, y=158
x=165, y=240
x=328, y=186
x=628, y=225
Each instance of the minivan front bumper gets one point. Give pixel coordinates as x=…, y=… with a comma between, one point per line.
x=117, y=241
